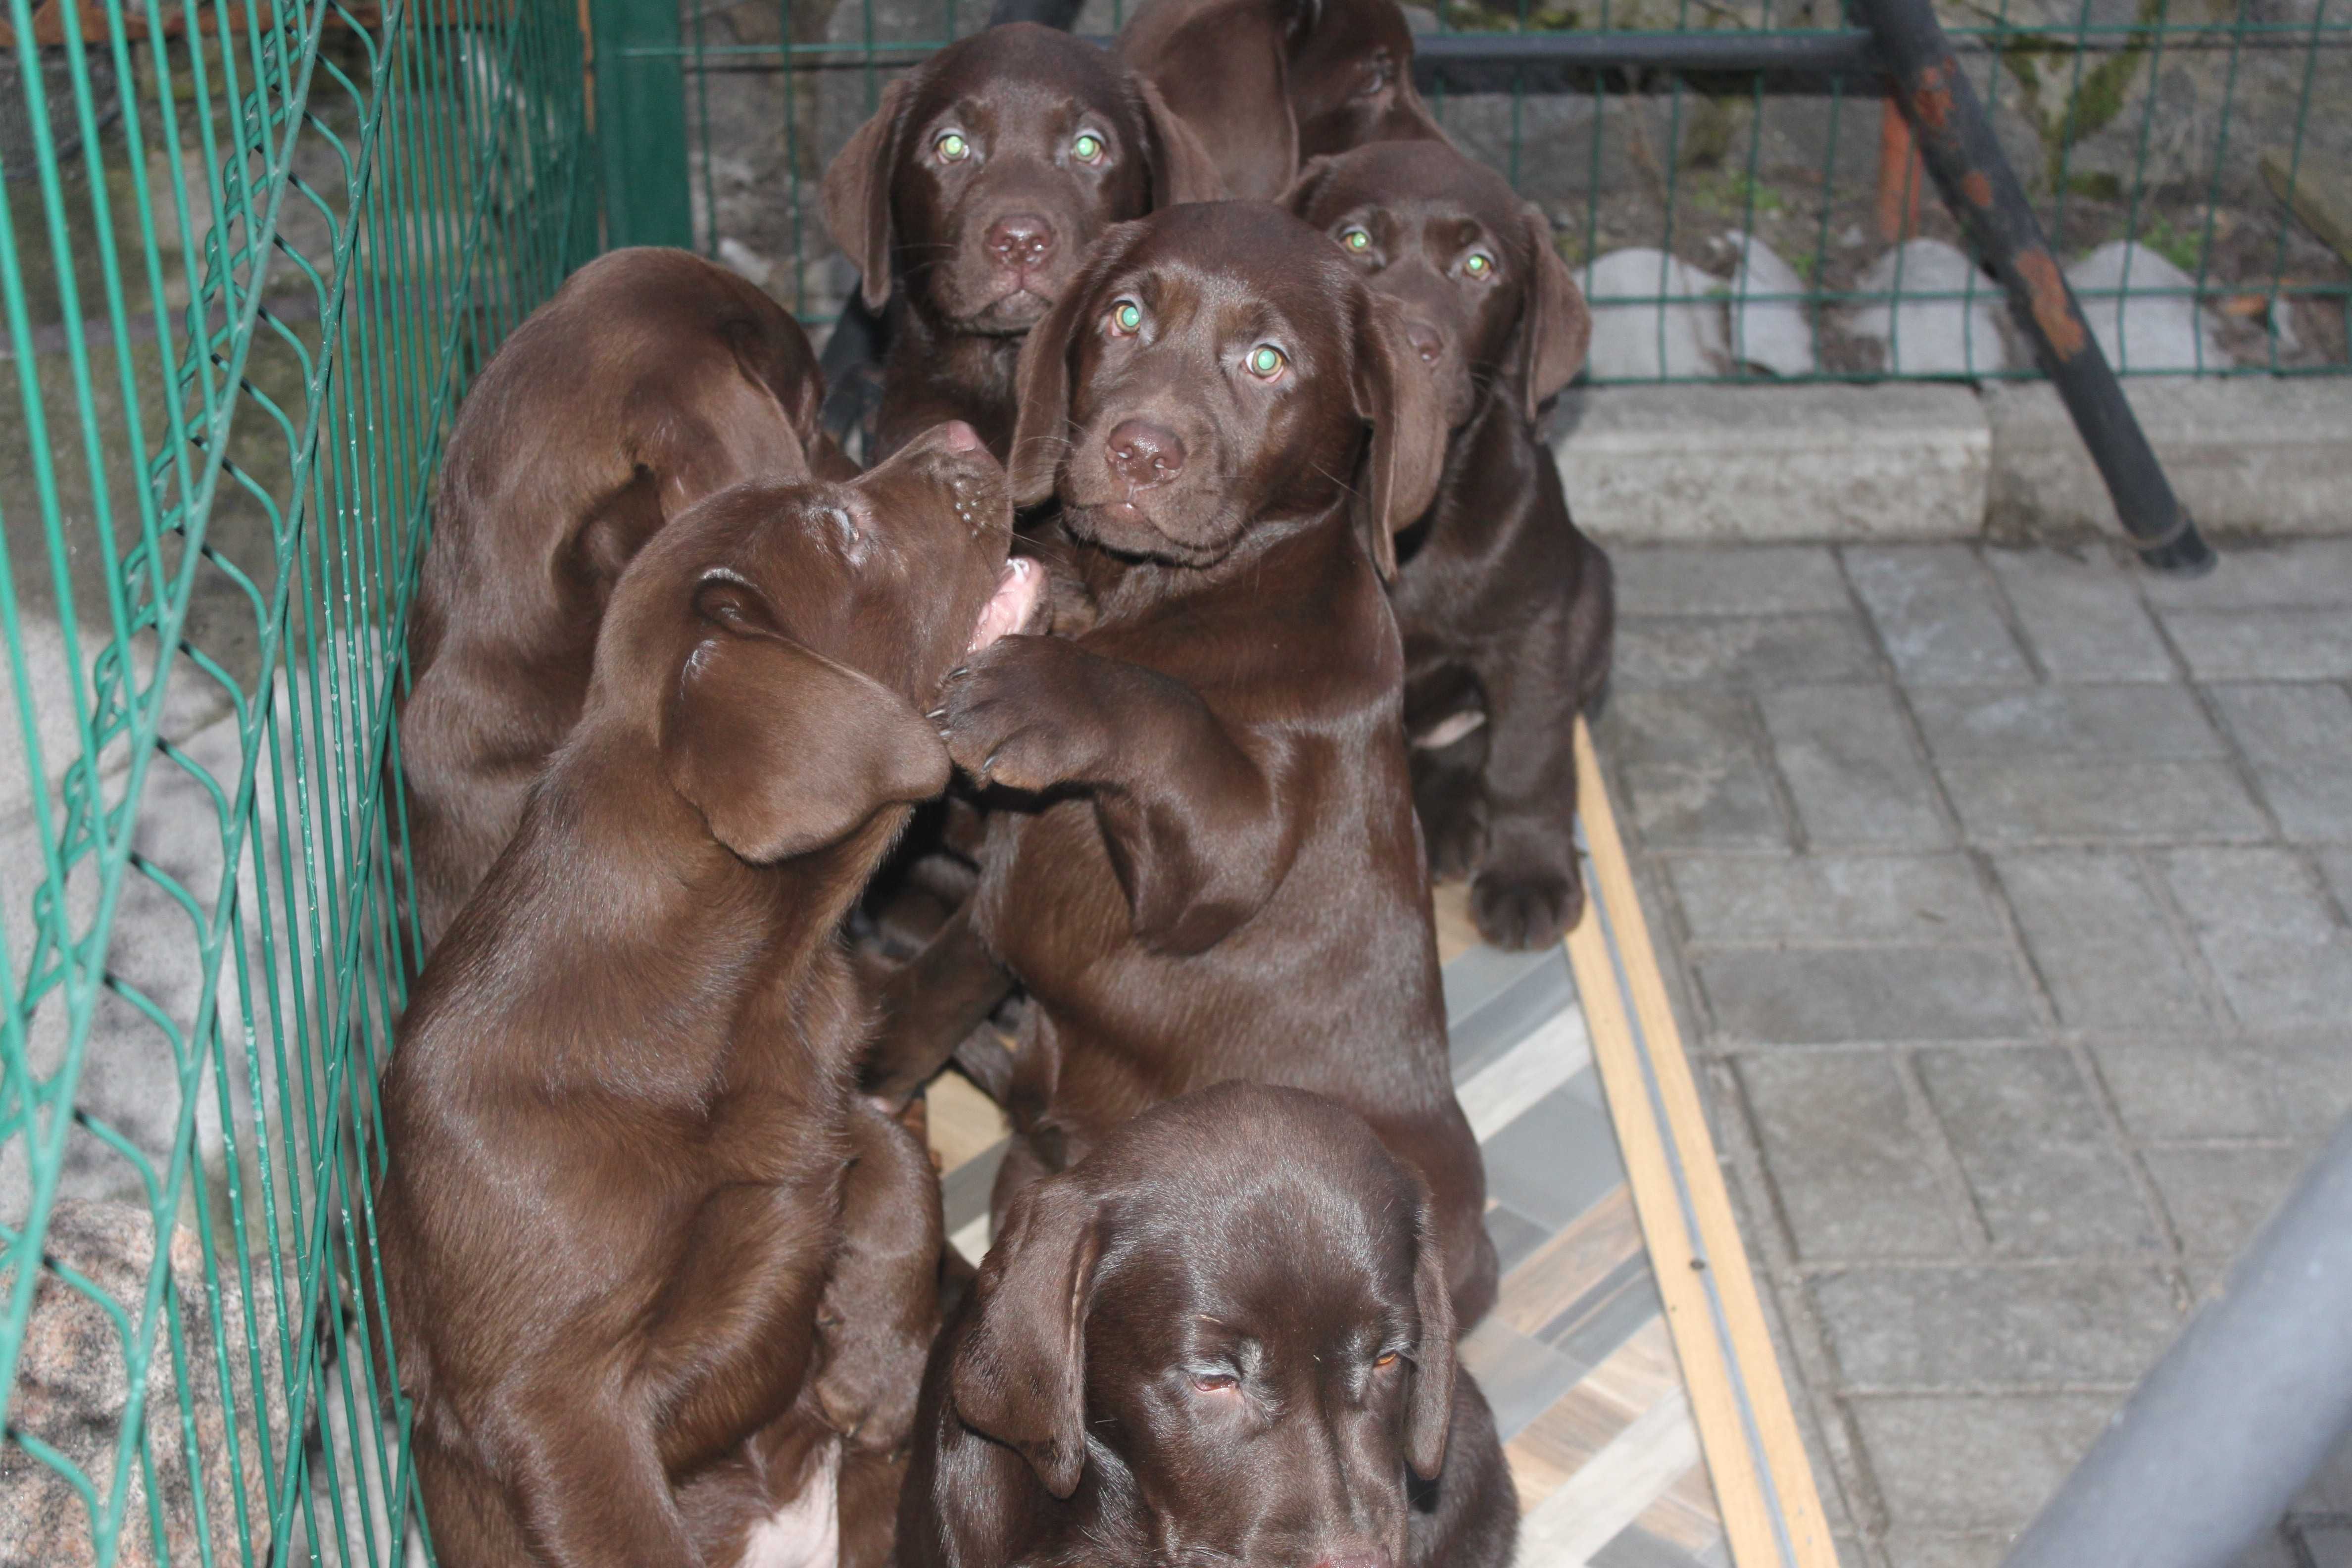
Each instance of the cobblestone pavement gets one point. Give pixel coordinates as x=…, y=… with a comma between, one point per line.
x=2006, y=894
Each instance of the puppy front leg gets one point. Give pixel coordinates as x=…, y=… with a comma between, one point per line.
x=929, y=1005
x=588, y=1484
x=1199, y=833
x=1528, y=891
x=880, y=1310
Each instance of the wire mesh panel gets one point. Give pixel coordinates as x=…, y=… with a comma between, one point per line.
x=250, y=254
x=1732, y=225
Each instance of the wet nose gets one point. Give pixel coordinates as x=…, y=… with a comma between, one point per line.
x=958, y=436
x=1144, y=454
x=1021, y=241
x=1426, y=341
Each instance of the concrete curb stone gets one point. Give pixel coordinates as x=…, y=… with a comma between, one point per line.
x=2252, y=456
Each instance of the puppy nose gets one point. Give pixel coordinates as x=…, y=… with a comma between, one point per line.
x=1144, y=454
x=1426, y=341
x=1021, y=241
x=958, y=436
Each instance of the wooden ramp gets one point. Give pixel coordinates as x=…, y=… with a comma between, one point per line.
x=1628, y=1363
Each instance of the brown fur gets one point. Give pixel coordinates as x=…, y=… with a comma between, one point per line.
x=621, y=1112
x=919, y=226
x=651, y=380
x=1211, y=870
x=1507, y=609
x=1268, y=84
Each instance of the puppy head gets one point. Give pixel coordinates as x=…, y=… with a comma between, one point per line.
x=988, y=169
x=1487, y=299
x=1242, y=1354
x=1215, y=366
x=1351, y=78
x=781, y=641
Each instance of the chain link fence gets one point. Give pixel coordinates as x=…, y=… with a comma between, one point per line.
x=1731, y=225
x=250, y=254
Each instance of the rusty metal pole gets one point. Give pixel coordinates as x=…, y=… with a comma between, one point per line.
x=1957, y=141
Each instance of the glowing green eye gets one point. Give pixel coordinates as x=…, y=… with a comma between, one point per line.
x=1480, y=264
x=1128, y=317
x=1087, y=148
x=951, y=147
x=1264, y=359
x=1356, y=239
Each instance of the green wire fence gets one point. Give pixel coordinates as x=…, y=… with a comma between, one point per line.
x=1732, y=226
x=251, y=252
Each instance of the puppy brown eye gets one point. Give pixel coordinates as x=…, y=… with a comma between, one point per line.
x=951, y=147
x=1126, y=319
x=1479, y=265
x=1356, y=240
x=1265, y=361
x=1215, y=1381
x=1087, y=148
x=1385, y=1359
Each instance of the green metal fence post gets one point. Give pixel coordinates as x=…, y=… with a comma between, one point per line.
x=641, y=122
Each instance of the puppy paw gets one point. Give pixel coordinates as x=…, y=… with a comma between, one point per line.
x=1525, y=907
x=1015, y=716
x=1453, y=824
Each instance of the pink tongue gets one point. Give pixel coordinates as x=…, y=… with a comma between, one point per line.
x=1016, y=598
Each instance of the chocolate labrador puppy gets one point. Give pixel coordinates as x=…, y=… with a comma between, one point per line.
x=1213, y=872
x=622, y=1106
x=651, y=380
x=968, y=197
x=1180, y=1350
x=1266, y=84
x=1507, y=609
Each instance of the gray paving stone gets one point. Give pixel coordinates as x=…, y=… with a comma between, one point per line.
x=2299, y=740
x=2282, y=954
x=1850, y=766
x=1759, y=651
x=2204, y=1084
x=2048, y=1177
x=1937, y=613
x=2293, y=572
x=1844, y=1146
x=1983, y=1328
x=2313, y=1074
x=2219, y=1197
x=1839, y=995
x=2336, y=865
x=2084, y=617
x=1772, y=580
x=1904, y=1549
x=2099, y=938
x=2071, y=800
x=2264, y=645
x=1633, y=1547
x=2136, y=724
x=1915, y=899
x=1974, y=1463
x=1691, y=777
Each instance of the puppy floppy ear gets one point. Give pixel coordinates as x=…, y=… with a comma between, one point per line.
x=858, y=193
x=1407, y=452
x=1020, y=1375
x=783, y=750
x=1430, y=1412
x=1555, y=326
x=1300, y=197
x=1181, y=169
x=1042, y=383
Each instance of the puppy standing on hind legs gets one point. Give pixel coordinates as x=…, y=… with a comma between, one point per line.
x=622, y=1106
x=1507, y=609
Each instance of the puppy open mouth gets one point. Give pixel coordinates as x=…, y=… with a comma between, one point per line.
x=1019, y=599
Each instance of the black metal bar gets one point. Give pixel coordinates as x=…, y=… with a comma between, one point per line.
x=1956, y=140
x=1062, y=13
x=2250, y=1399
x=1559, y=62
